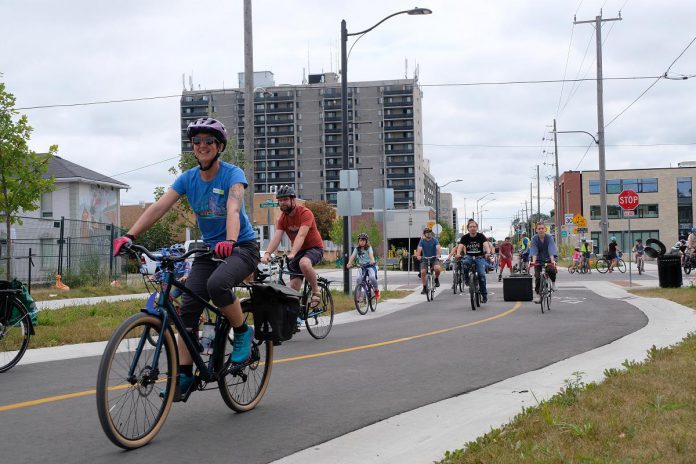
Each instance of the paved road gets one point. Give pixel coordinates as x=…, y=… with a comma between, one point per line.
x=313, y=400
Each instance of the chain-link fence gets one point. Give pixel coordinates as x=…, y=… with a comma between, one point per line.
x=79, y=251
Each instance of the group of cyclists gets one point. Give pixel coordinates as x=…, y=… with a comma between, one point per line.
x=215, y=191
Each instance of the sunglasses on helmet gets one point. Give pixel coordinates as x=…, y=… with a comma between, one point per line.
x=208, y=140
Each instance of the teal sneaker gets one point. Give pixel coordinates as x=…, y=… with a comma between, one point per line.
x=241, y=346
x=182, y=387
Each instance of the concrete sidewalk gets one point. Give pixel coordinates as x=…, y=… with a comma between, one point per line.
x=424, y=434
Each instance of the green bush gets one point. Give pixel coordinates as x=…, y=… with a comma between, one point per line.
x=88, y=272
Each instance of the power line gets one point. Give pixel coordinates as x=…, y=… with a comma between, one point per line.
x=652, y=84
x=456, y=84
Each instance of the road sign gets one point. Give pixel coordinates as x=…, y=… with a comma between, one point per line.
x=349, y=203
x=579, y=221
x=348, y=179
x=582, y=230
x=629, y=213
x=568, y=219
x=628, y=199
x=437, y=229
x=564, y=233
x=268, y=204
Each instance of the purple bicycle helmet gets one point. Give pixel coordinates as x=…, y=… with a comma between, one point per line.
x=210, y=126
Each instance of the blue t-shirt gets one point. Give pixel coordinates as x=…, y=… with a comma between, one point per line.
x=429, y=247
x=209, y=202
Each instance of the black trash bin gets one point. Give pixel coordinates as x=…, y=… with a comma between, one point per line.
x=669, y=271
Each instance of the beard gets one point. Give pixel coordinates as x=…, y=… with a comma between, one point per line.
x=287, y=209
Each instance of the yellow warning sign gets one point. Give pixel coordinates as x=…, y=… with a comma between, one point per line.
x=579, y=221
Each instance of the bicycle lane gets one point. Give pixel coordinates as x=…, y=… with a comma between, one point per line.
x=312, y=400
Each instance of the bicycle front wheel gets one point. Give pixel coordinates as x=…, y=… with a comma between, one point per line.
x=621, y=266
x=571, y=268
x=15, y=331
x=319, y=319
x=372, y=298
x=360, y=298
x=455, y=281
x=133, y=407
x=602, y=265
x=472, y=291
x=243, y=387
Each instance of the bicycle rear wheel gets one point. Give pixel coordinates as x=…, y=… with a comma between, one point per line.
x=15, y=331
x=242, y=387
x=602, y=265
x=360, y=298
x=319, y=319
x=130, y=408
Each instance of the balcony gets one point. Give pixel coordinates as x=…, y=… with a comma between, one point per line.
x=406, y=125
x=404, y=187
x=402, y=103
x=399, y=116
x=332, y=105
x=287, y=167
x=399, y=92
x=400, y=175
x=398, y=139
x=399, y=151
x=393, y=164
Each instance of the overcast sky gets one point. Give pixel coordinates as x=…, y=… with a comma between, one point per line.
x=490, y=135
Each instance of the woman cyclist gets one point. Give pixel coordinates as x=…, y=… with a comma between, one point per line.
x=364, y=255
x=215, y=191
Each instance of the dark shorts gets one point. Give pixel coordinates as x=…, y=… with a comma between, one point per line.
x=424, y=263
x=214, y=280
x=315, y=255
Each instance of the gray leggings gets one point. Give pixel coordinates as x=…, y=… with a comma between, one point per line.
x=212, y=280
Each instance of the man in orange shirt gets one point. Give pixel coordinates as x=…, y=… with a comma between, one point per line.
x=307, y=246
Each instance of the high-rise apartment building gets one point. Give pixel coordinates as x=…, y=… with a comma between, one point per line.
x=298, y=135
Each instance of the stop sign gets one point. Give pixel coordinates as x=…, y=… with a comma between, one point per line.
x=628, y=200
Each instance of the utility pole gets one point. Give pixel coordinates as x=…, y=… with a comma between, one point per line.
x=556, y=186
x=531, y=208
x=527, y=224
x=604, y=224
x=538, y=197
x=249, y=107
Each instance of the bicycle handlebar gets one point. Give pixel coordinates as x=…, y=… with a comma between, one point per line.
x=133, y=248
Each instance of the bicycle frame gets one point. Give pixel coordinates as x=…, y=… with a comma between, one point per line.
x=169, y=315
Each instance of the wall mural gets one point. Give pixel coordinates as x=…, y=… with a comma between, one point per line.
x=100, y=205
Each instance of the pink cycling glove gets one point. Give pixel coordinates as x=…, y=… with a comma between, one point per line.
x=224, y=249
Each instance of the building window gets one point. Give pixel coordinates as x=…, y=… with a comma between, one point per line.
x=614, y=186
x=47, y=205
x=648, y=211
x=594, y=187
x=648, y=185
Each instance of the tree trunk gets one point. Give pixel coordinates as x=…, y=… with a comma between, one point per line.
x=9, y=248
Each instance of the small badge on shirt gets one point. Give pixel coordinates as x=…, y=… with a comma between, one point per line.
x=218, y=191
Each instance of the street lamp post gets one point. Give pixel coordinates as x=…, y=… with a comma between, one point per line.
x=344, y=122
x=481, y=211
x=437, y=199
x=477, y=205
x=604, y=221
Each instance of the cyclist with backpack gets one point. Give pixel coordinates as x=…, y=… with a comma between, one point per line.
x=215, y=191
x=364, y=255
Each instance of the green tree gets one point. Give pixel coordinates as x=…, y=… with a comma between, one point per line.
x=22, y=170
x=324, y=215
x=372, y=229
x=446, y=235
x=336, y=232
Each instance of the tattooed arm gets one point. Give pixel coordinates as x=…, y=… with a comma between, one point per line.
x=235, y=203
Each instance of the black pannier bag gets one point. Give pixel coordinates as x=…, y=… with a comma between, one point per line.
x=275, y=308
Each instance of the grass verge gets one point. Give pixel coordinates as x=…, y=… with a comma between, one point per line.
x=643, y=413
x=52, y=293
x=95, y=323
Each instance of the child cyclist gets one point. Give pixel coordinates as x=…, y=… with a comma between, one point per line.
x=577, y=256
x=364, y=255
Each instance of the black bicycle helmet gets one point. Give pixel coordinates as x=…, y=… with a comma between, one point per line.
x=286, y=191
x=427, y=229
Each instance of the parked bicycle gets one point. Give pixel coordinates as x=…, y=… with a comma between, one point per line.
x=16, y=327
x=364, y=295
x=136, y=379
x=545, y=289
x=430, y=277
x=319, y=319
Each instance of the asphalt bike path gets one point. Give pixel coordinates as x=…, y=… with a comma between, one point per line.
x=360, y=375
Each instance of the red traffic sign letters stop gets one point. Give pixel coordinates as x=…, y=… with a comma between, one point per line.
x=628, y=200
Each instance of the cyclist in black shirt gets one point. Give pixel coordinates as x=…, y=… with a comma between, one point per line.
x=475, y=245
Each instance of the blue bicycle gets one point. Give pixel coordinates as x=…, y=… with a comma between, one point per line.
x=364, y=294
x=136, y=381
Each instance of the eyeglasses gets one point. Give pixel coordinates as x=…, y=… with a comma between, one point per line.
x=207, y=140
